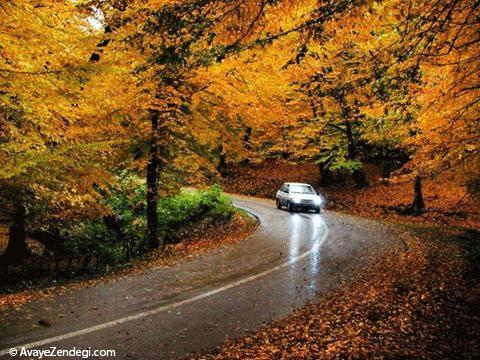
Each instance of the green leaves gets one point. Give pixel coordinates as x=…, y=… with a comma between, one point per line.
x=348, y=166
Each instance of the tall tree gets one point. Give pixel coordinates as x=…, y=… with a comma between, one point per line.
x=52, y=140
x=443, y=38
x=174, y=39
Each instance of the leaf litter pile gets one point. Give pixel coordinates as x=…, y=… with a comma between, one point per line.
x=204, y=236
x=421, y=303
x=446, y=203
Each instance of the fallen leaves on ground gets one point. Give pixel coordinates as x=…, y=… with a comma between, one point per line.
x=203, y=237
x=446, y=203
x=421, y=303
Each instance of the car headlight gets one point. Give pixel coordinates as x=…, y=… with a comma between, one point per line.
x=296, y=199
x=318, y=201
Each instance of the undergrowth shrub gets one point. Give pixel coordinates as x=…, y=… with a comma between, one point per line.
x=183, y=210
x=93, y=245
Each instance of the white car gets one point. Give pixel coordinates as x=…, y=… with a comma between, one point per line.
x=298, y=196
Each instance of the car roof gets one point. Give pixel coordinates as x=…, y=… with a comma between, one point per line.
x=293, y=183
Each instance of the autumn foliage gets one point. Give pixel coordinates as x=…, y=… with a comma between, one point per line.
x=375, y=102
x=178, y=92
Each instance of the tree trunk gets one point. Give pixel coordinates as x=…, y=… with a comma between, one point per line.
x=222, y=162
x=340, y=177
x=17, y=247
x=326, y=175
x=359, y=176
x=153, y=239
x=351, y=142
x=386, y=168
x=418, y=205
x=113, y=224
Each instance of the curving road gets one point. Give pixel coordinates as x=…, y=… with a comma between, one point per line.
x=292, y=259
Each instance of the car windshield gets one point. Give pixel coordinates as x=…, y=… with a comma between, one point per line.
x=301, y=189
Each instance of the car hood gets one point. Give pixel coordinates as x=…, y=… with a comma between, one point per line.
x=306, y=196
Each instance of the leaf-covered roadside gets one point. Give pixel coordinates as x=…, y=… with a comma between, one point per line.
x=422, y=303
x=446, y=203
x=200, y=238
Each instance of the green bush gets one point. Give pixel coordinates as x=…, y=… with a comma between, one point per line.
x=183, y=210
x=127, y=202
x=128, y=205
x=93, y=239
x=219, y=206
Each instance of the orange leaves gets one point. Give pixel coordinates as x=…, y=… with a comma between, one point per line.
x=61, y=118
x=447, y=203
x=373, y=66
x=449, y=98
x=398, y=308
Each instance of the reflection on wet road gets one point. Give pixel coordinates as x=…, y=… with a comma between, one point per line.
x=316, y=230
x=294, y=226
x=165, y=313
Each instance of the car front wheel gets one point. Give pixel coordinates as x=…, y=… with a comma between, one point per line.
x=278, y=203
x=317, y=210
x=289, y=206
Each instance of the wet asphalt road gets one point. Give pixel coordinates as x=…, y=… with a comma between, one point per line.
x=292, y=259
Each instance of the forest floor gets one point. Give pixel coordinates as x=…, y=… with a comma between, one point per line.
x=446, y=203
x=422, y=303
x=204, y=236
